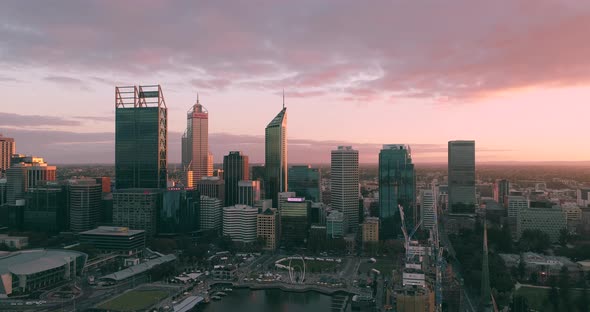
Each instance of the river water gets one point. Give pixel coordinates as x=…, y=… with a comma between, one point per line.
x=244, y=300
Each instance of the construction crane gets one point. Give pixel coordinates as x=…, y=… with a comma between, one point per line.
x=407, y=238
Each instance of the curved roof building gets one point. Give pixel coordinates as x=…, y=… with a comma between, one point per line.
x=25, y=271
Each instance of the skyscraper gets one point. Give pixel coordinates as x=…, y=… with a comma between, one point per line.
x=7, y=149
x=141, y=132
x=84, y=198
x=46, y=208
x=195, y=145
x=305, y=182
x=212, y=187
x=428, y=209
x=248, y=192
x=397, y=186
x=501, y=192
x=345, y=185
x=275, y=156
x=137, y=209
x=462, y=176
x=235, y=169
x=179, y=213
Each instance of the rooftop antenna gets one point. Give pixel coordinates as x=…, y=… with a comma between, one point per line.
x=283, y=98
x=198, y=98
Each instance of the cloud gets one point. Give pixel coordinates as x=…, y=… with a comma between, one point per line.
x=16, y=120
x=67, y=81
x=457, y=50
x=96, y=118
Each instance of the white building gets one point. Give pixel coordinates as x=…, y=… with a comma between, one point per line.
x=210, y=216
x=345, y=185
x=428, y=207
x=573, y=215
x=239, y=223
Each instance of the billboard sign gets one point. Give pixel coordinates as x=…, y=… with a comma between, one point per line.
x=149, y=94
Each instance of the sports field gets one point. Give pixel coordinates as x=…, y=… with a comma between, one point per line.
x=134, y=300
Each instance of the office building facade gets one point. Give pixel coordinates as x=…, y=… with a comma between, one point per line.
x=141, y=133
x=501, y=192
x=305, y=182
x=195, y=145
x=210, y=214
x=7, y=149
x=239, y=223
x=46, y=208
x=235, y=169
x=267, y=228
x=370, y=230
x=248, y=192
x=212, y=187
x=120, y=240
x=137, y=209
x=84, y=200
x=335, y=224
x=345, y=185
x=397, y=186
x=295, y=222
x=428, y=209
x=275, y=157
x=462, y=177
x=179, y=213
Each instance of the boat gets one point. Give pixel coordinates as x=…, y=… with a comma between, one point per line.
x=221, y=293
x=362, y=301
x=228, y=289
x=215, y=297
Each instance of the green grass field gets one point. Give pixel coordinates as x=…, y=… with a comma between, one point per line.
x=537, y=297
x=134, y=300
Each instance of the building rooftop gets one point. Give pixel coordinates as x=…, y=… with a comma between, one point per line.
x=137, y=269
x=112, y=230
x=35, y=260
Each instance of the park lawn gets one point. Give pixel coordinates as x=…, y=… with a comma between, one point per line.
x=134, y=300
x=537, y=297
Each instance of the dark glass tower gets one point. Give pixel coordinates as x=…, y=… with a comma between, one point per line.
x=305, y=182
x=179, y=213
x=140, y=137
x=276, y=157
x=397, y=186
x=235, y=169
x=462, y=176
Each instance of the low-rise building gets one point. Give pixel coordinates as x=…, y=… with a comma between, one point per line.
x=14, y=242
x=371, y=230
x=550, y=220
x=335, y=224
x=239, y=223
x=120, y=240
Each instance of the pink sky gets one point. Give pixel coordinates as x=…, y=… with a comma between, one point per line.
x=512, y=75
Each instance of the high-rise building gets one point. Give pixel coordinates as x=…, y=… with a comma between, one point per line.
x=516, y=204
x=46, y=208
x=248, y=192
x=345, y=185
x=583, y=197
x=428, y=208
x=275, y=157
x=7, y=149
x=501, y=192
x=267, y=227
x=84, y=199
x=179, y=213
x=25, y=172
x=397, y=186
x=141, y=133
x=239, y=223
x=210, y=215
x=212, y=187
x=305, y=182
x=462, y=177
x=195, y=145
x=235, y=169
x=210, y=164
x=137, y=209
x=295, y=221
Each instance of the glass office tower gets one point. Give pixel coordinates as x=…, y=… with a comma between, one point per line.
x=305, y=182
x=140, y=137
x=462, y=176
x=397, y=186
x=179, y=213
x=235, y=169
x=276, y=157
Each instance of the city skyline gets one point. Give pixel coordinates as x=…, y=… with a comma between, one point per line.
x=496, y=82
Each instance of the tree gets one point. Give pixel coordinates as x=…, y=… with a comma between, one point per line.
x=553, y=295
x=521, y=267
x=564, y=237
x=163, y=245
x=519, y=304
x=534, y=240
x=564, y=288
x=534, y=278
